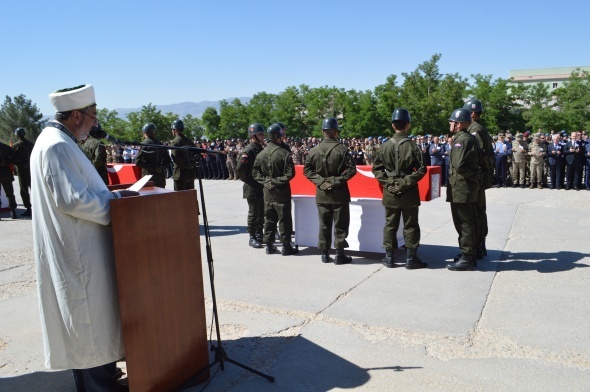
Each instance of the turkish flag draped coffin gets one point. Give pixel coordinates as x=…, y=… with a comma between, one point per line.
x=123, y=173
x=367, y=215
x=364, y=185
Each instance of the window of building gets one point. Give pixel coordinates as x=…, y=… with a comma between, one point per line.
x=554, y=85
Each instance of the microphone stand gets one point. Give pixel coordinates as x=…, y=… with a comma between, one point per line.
x=220, y=354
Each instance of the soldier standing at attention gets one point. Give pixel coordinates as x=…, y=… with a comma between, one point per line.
x=463, y=187
x=184, y=165
x=485, y=143
x=329, y=167
x=153, y=160
x=398, y=166
x=273, y=169
x=22, y=156
x=252, y=189
x=519, y=154
x=537, y=153
x=96, y=151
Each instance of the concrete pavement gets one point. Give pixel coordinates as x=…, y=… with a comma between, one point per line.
x=521, y=322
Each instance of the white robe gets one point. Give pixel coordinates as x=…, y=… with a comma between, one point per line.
x=74, y=257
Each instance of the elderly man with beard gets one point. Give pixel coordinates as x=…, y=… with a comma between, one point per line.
x=77, y=285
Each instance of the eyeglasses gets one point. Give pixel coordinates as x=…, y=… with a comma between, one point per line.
x=89, y=115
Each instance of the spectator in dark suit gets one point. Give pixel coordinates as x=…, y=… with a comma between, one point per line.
x=556, y=161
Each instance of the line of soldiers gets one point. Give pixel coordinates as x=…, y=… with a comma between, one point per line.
x=16, y=158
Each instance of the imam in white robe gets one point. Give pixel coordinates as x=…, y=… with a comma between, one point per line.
x=73, y=255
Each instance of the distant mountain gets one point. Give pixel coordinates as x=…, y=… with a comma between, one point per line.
x=184, y=108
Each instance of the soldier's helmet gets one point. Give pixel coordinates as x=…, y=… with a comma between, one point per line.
x=255, y=128
x=401, y=114
x=283, y=128
x=149, y=128
x=460, y=115
x=97, y=132
x=19, y=132
x=329, y=123
x=473, y=105
x=274, y=132
x=178, y=125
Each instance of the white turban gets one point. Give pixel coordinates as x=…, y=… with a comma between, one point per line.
x=75, y=98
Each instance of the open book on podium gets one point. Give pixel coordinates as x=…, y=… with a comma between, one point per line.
x=158, y=263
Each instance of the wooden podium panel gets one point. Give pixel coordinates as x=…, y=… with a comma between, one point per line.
x=160, y=280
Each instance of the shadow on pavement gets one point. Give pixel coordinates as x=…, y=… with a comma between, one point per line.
x=60, y=381
x=296, y=363
x=542, y=262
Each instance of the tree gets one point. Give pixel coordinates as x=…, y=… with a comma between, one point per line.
x=193, y=127
x=387, y=98
x=211, y=120
x=290, y=109
x=538, y=106
x=261, y=109
x=149, y=114
x=19, y=112
x=360, y=117
x=233, y=119
x=573, y=100
x=111, y=123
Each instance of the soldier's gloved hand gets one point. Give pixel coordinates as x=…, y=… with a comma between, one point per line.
x=269, y=185
x=326, y=186
x=393, y=189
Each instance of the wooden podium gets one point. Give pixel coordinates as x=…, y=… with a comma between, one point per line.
x=160, y=280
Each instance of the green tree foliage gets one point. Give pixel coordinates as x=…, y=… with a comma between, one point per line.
x=538, y=107
x=261, y=109
x=387, y=98
x=211, y=120
x=19, y=112
x=290, y=109
x=111, y=123
x=193, y=127
x=573, y=101
x=149, y=114
x=233, y=119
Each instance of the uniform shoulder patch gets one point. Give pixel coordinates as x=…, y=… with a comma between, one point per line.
x=458, y=145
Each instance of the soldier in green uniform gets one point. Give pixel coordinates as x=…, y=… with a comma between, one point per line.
x=22, y=156
x=6, y=177
x=153, y=160
x=252, y=191
x=329, y=167
x=463, y=187
x=485, y=142
x=273, y=169
x=184, y=173
x=398, y=166
x=96, y=151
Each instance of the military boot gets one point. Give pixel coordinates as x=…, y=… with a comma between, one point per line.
x=478, y=253
x=254, y=243
x=341, y=258
x=270, y=249
x=259, y=236
x=412, y=261
x=458, y=257
x=465, y=263
x=326, y=256
x=289, y=250
x=532, y=185
x=483, y=247
x=14, y=213
x=388, y=259
x=26, y=213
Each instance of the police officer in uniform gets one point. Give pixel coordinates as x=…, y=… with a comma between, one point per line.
x=488, y=161
x=184, y=165
x=398, y=166
x=273, y=169
x=96, y=151
x=22, y=156
x=6, y=177
x=329, y=167
x=153, y=160
x=463, y=188
x=252, y=190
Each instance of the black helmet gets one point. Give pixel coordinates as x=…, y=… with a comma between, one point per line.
x=151, y=128
x=19, y=132
x=178, y=125
x=97, y=132
x=401, y=114
x=255, y=128
x=274, y=132
x=473, y=105
x=329, y=123
x=283, y=128
x=460, y=115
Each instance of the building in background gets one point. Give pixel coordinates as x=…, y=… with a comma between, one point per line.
x=552, y=77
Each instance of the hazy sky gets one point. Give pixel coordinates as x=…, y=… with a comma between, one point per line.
x=165, y=52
